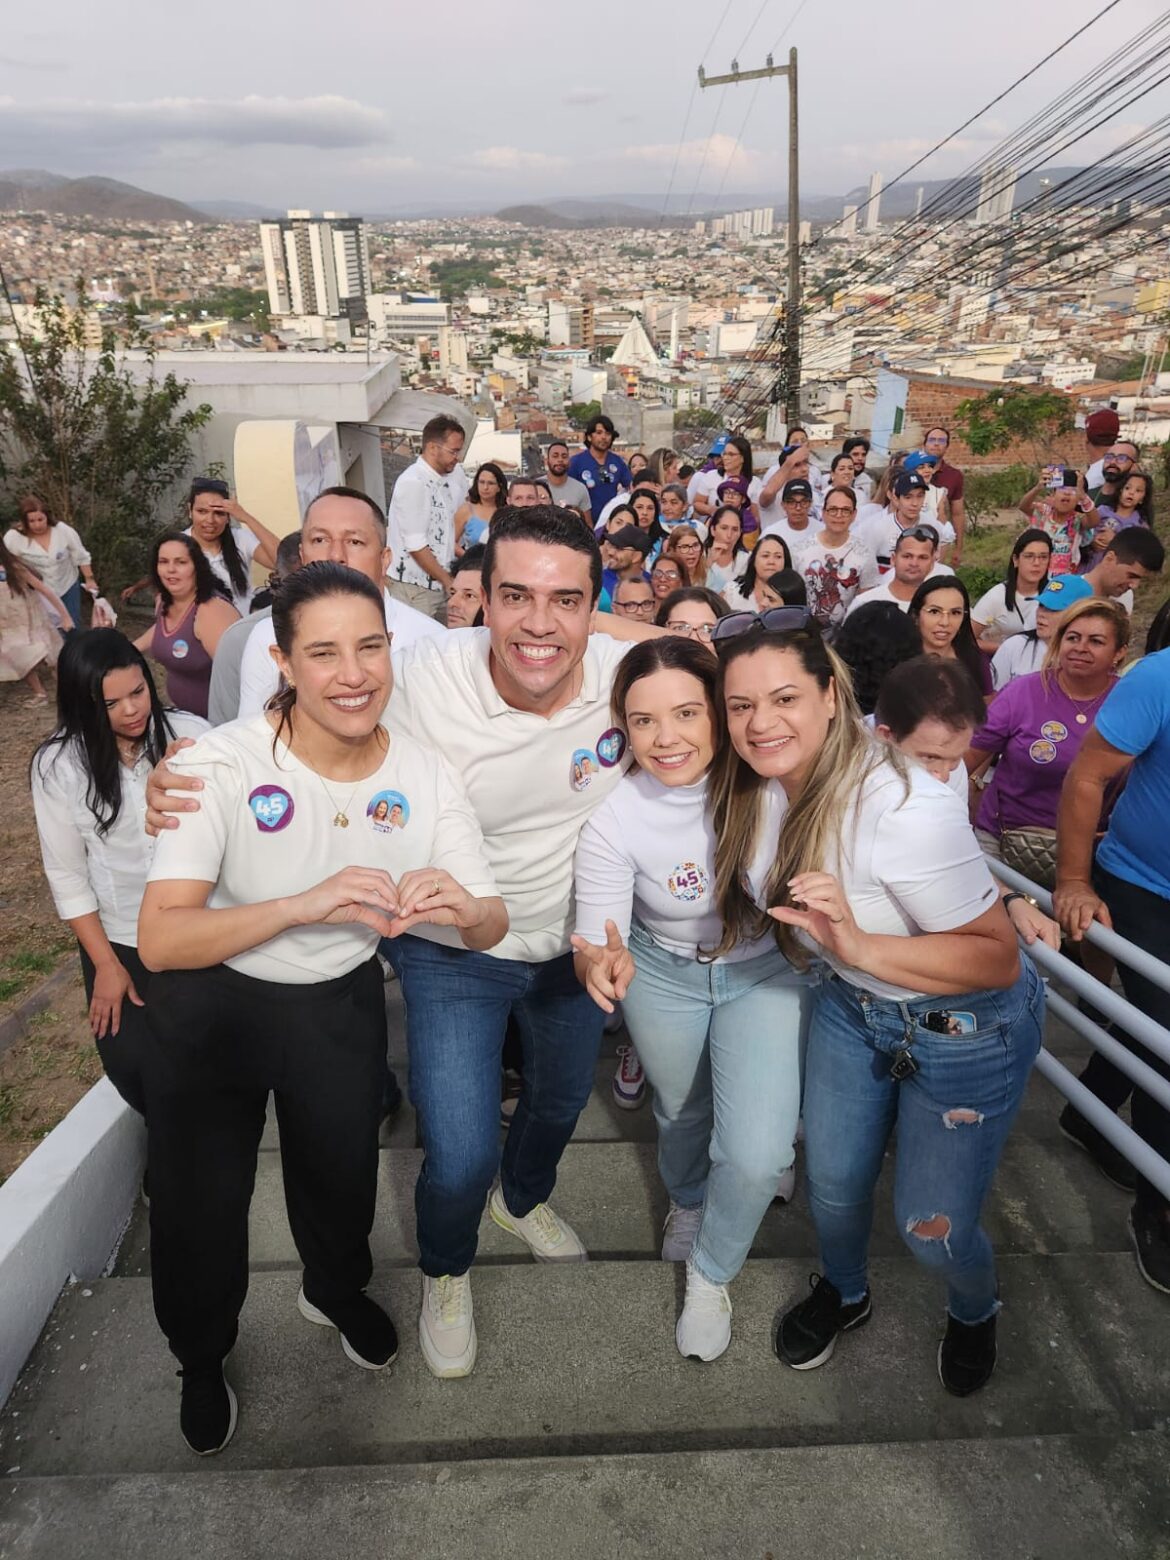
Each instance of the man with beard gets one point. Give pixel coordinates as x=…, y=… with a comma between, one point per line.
x=1117, y=464
x=563, y=488
x=601, y=471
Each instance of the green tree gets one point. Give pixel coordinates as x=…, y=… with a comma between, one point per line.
x=696, y=419
x=101, y=445
x=1002, y=417
x=579, y=412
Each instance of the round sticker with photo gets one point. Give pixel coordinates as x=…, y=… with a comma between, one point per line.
x=387, y=811
x=180, y=649
x=1042, y=752
x=583, y=768
x=1054, y=730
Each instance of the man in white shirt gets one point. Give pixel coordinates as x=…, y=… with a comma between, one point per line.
x=796, y=526
x=915, y=559
x=422, y=518
x=879, y=529
x=344, y=526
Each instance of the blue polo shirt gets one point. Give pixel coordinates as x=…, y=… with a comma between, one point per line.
x=603, y=480
x=1135, y=719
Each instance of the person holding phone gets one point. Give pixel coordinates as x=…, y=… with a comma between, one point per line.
x=878, y=873
x=1067, y=515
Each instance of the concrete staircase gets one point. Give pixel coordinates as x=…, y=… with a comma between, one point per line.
x=582, y=1432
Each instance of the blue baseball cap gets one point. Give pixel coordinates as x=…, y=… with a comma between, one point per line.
x=1064, y=591
x=917, y=460
x=719, y=443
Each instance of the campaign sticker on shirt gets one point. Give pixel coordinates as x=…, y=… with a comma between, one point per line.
x=180, y=649
x=688, y=882
x=610, y=746
x=272, y=807
x=1042, y=752
x=387, y=811
x=583, y=768
x=1054, y=730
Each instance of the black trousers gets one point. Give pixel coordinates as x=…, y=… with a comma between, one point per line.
x=124, y=1054
x=223, y=1041
x=1144, y=918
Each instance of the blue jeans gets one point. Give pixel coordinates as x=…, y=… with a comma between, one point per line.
x=721, y=1045
x=71, y=601
x=457, y=1007
x=953, y=1117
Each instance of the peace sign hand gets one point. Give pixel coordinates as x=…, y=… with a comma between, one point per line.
x=606, y=972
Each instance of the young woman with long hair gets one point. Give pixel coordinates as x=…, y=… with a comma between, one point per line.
x=877, y=872
x=1010, y=607
x=719, y=1037
x=768, y=557
x=190, y=616
x=940, y=609
x=28, y=639
x=263, y=914
x=53, y=551
x=723, y=547
x=684, y=543
x=89, y=798
x=485, y=498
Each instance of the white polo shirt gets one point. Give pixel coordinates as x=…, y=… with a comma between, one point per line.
x=422, y=514
x=87, y=871
x=265, y=830
x=56, y=564
x=259, y=678
x=532, y=781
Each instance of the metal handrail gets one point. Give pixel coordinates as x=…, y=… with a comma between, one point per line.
x=1145, y=1160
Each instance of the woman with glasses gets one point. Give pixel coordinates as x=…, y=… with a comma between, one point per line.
x=768, y=557
x=685, y=544
x=1010, y=608
x=667, y=575
x=878, y=873
x=835, y=565
x=723, y=547
x=941, y=611
x=719, y=1038
x=692, y=612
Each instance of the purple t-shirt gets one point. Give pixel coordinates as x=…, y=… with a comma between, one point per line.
x=1036, y=735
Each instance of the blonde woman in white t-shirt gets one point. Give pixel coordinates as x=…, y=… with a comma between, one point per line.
x=719, y=1039
x=878, y=872
x=316, y=834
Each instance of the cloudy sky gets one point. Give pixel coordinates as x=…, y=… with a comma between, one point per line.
x=482, y=102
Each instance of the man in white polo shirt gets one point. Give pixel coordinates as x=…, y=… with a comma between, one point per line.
x=422, y=518
x=915, y=559
x=521, y=709
x=342, y=525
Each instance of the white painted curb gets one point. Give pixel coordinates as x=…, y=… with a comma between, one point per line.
x=61, y=1214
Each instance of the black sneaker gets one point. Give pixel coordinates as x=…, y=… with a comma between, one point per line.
x=1111, y=1162
x=966, y=1355
x=368, y=1335
x=207, y=1413
x=807, y=1335
x=1151, y=1244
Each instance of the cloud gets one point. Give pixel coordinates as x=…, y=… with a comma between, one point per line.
x=510, y=159
x=327, y=122
x=586, y=97
x=385, y=164
x=713, y=154
x=9, y=62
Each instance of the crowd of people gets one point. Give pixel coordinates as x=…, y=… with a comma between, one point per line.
x=715, y=758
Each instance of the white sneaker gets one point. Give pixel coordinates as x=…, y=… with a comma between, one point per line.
x=546, y=1235
x=704, y=1328
x=679, y=1231
x=446, y=1326
x=786, y=1185
x=629, y=1082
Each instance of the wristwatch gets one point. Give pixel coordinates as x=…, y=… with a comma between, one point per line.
x=1009, y=899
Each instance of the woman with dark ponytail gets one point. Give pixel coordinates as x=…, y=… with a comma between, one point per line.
x=317, y=834
x=89, y=796
x=230, y=550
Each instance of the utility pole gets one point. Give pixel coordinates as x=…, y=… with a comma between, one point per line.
x=792, y=305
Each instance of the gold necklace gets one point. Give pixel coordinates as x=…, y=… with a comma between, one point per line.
x=1096, y=698
x=341, y=816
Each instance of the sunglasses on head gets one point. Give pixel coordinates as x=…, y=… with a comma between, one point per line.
x=776, y=620
x=923, y=533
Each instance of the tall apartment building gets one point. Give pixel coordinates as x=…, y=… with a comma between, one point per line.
x=315, y=265
x=875, y=201
x=997, y=194
x=570, y=323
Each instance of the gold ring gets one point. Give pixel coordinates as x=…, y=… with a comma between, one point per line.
x=836, y=920
x=435, y=887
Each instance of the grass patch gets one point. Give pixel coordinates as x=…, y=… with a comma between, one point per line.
x=28, y=963
x=9, y=986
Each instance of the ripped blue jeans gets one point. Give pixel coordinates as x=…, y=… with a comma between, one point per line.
x=952, y=1118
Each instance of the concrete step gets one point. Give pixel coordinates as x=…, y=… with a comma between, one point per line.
x=1047, y=1198
x=581, y=1361
x=1017, y=1499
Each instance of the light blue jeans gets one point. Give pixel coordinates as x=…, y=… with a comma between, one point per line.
x=721, y=1045
x=952, y=1117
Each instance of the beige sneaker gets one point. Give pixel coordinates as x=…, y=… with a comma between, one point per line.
x=704, y=1328
x=446, y=1326
x=546, y=1235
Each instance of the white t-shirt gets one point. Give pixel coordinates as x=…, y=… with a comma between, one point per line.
x=707, y=484
x=422, y=514
x=908, y=861
x=882, y=591
x=259, y=678
x=1016, y=657
x=265, y=830
x=796, y=541
x=56, y=565
x=85, y=870
x=246, y=545
x=992, y=611
x=879, y=530
x=649, y=852
x=532, y=781
x=833, y=577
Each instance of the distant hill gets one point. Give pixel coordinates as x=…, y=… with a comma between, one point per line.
x=583, y=214
x=239, y=210
x=37, y=190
